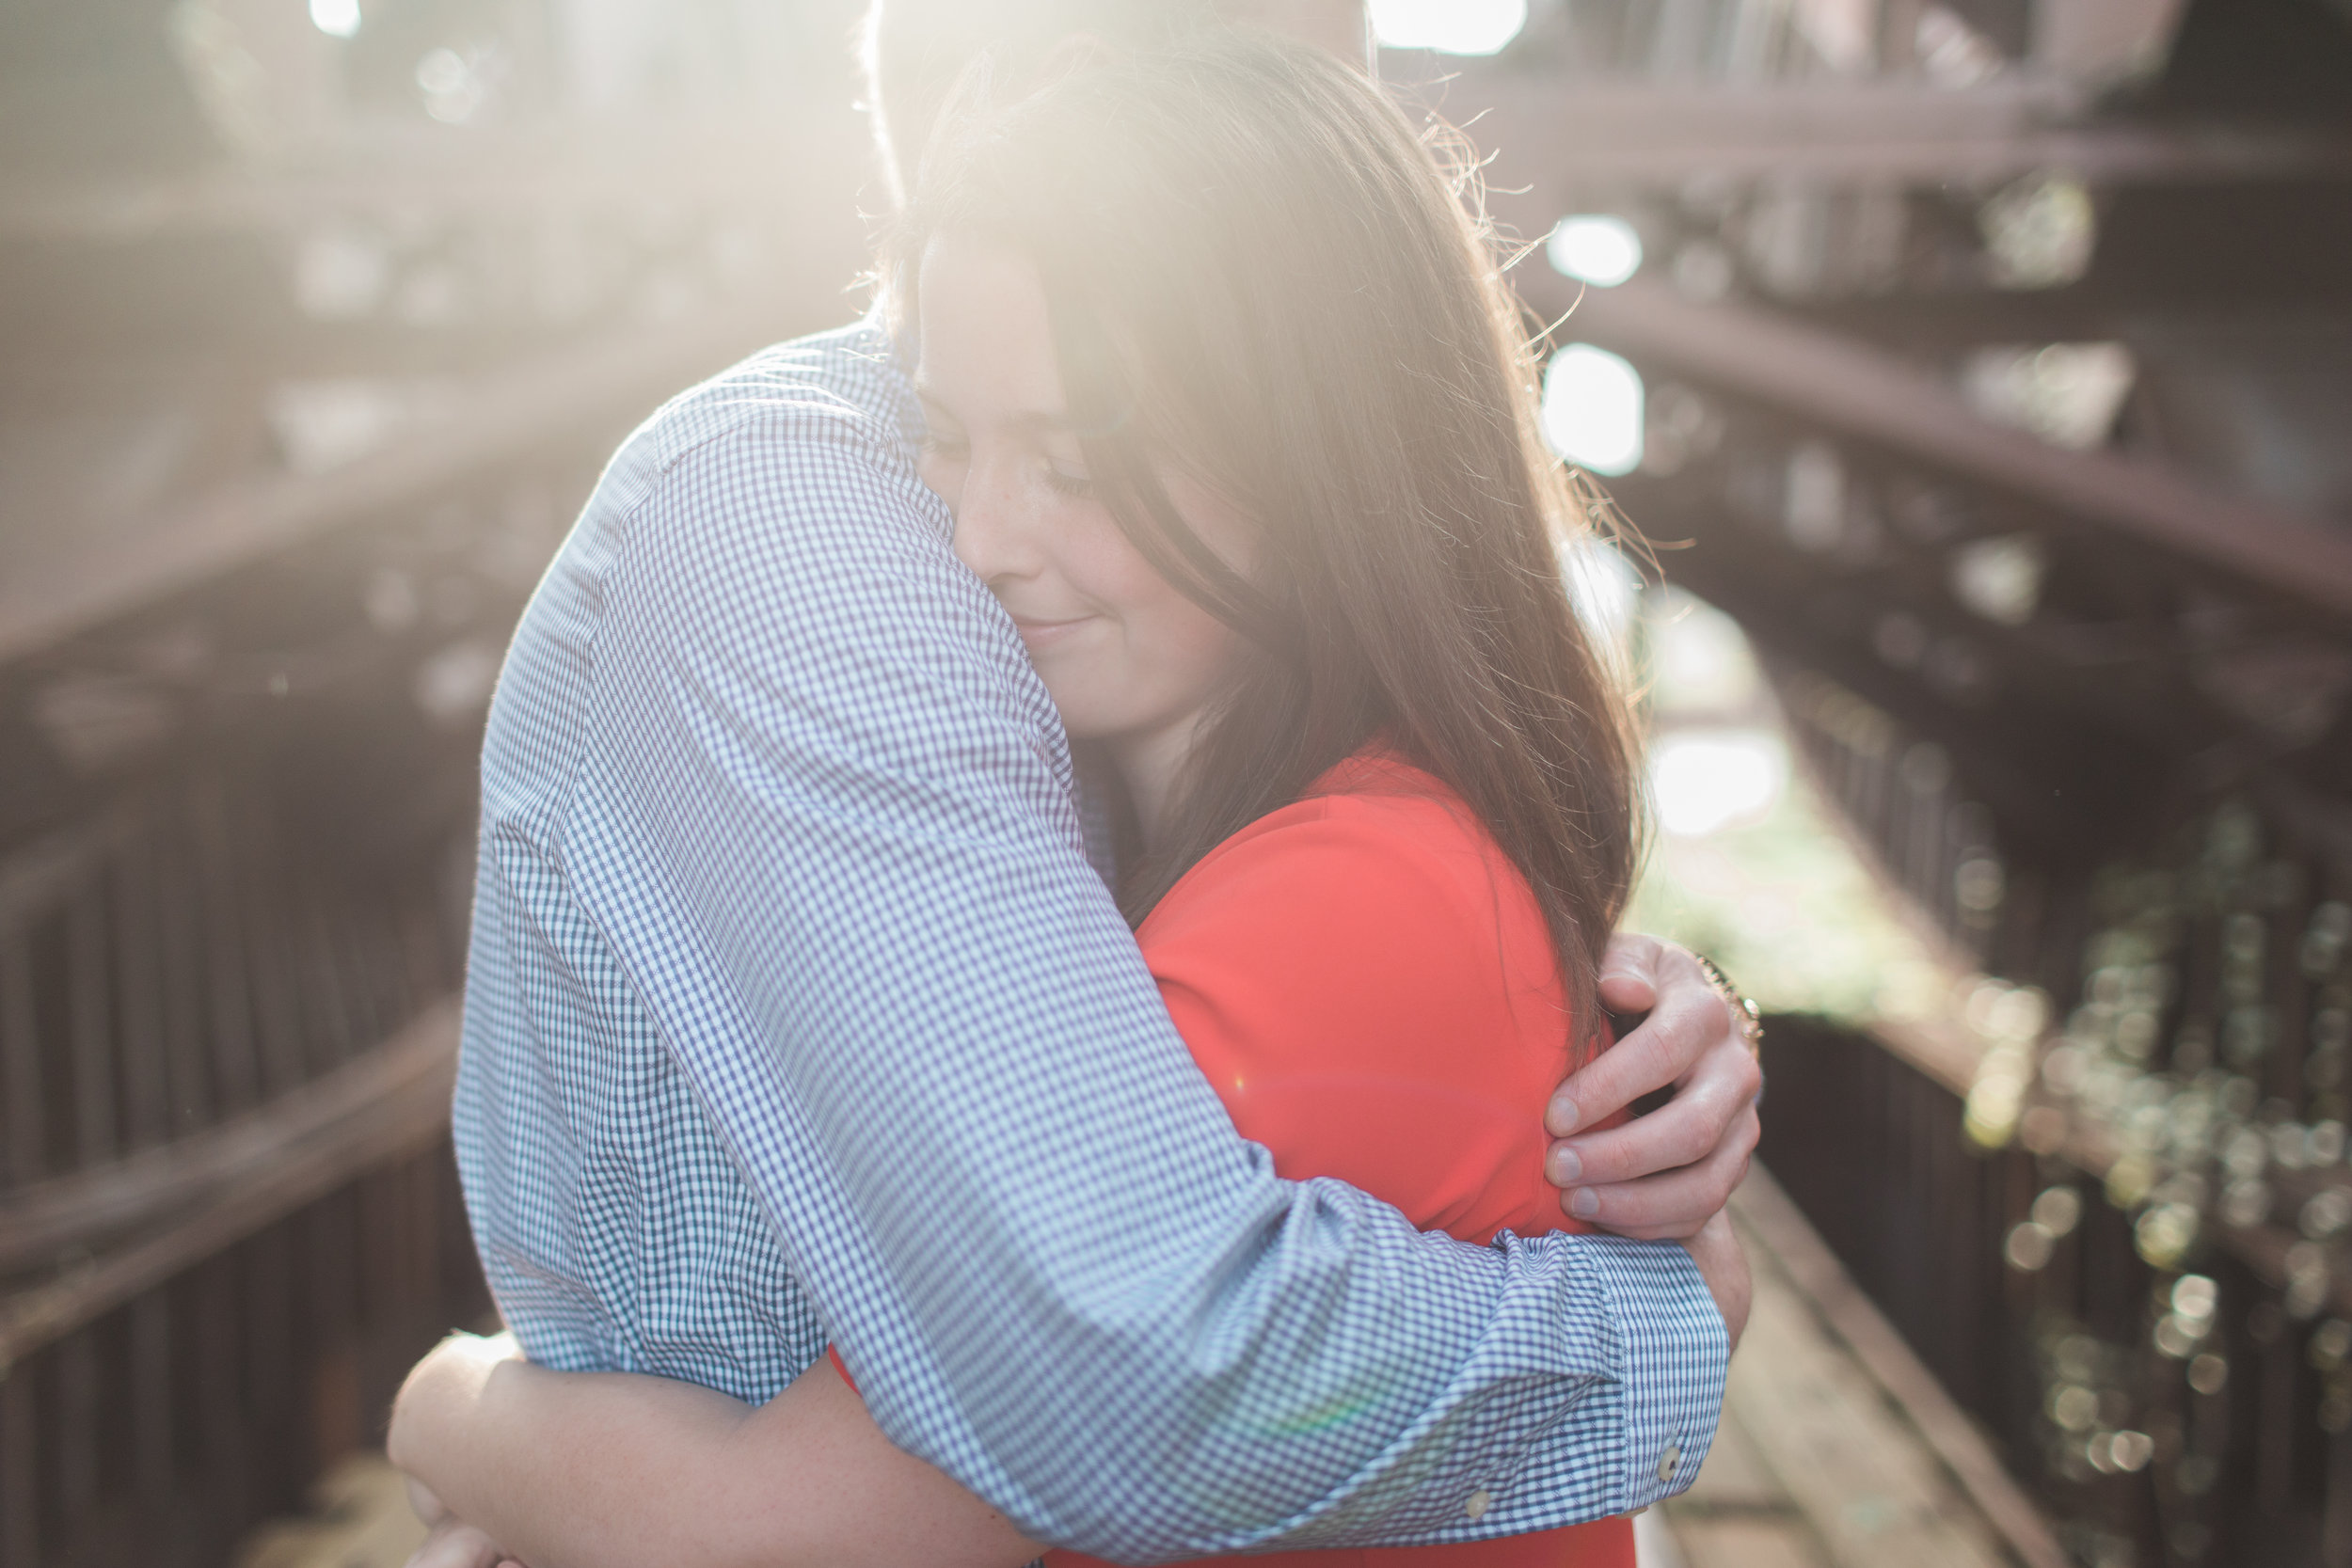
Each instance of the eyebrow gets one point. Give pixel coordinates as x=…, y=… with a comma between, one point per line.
x=1029, y=420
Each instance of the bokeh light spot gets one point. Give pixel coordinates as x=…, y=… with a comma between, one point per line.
x=1595, y=249
x=1703, y=781
x=1593, y=402
x=1448, y=26
x=337, y=18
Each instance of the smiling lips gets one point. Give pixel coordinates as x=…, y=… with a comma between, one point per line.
x=1040, y=634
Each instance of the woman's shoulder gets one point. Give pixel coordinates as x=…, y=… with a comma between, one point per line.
x=1379, y=857
x=1369, y=985
x=1381, y=808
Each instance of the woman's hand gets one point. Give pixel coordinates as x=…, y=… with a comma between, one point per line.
x=1663, y=1175
x=449, y=1540
x=439, y=1393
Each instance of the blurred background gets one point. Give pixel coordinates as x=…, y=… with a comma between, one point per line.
x=1979, y=369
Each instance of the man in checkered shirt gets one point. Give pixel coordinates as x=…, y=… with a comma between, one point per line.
x=796, y=1013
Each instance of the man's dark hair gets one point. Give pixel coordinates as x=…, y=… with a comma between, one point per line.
x=914, y=51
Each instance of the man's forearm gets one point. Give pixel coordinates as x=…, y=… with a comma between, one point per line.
x=1632, y=1435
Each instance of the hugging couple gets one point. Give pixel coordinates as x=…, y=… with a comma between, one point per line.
x=1046, y=909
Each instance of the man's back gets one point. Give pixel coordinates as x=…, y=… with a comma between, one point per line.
x=618, y=1228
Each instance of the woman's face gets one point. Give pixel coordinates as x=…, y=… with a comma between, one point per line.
x=1125, y=655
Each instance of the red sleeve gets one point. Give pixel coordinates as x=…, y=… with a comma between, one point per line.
x=1357, y=983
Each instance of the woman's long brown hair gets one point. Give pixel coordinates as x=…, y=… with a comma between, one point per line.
x=1260, y=274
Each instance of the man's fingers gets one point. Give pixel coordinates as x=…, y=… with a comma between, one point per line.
x=1682, y=1133
x=1645, y=1060
x=1628, y=973
x=1705, y=1111
x=1663, y=1175
x=1673, y=1206
x=1688, y=1021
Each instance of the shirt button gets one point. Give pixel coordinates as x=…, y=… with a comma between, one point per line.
x=1476, y=1504
x=1668, y=1463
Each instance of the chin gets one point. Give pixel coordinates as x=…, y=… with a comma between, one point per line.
x=1083, y=720
x=1082, y=727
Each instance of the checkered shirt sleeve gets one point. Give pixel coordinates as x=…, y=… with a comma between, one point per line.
x=795, y=1011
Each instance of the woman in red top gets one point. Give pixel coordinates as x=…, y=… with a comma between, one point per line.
x=1236, y=422
x=1365, y=981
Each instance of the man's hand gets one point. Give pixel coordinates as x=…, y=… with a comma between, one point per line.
x=1664, y=1174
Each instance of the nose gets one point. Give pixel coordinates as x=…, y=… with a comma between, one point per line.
x=993, y=535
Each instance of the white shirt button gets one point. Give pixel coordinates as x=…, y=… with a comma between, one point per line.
x=1669, y=1462
x=1476, y=1504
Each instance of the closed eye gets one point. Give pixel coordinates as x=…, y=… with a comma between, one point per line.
x=942, y=435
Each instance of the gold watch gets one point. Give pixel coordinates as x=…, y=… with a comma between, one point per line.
x=1751, y=1017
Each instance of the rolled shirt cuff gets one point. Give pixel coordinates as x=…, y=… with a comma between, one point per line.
x=1676, y=1353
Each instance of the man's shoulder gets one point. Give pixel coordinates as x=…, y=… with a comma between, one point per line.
x=807, y=444
x=845, y=385
x=772, y=512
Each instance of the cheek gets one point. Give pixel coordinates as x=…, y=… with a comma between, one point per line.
x=1174, y=652
x=1095, y=558
x=1178, y=655
x=1192, y=641
x=944, y=477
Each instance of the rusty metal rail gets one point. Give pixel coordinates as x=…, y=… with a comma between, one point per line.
x=600, y=386
x=129, y=1226
x=232, y=1215
x=1861, y=392
x=1612, y=134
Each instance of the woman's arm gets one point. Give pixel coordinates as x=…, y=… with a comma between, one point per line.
x=614, y=1470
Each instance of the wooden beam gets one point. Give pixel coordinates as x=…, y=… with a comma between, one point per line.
x=33, y=877
x=1764, y=1210
x=592, y=392
x=82, y=1211
x=1948, y=1052
x=2090, y=1148
x=398, y=176
x=392, y=1102
x=1564, y=137
x=1854, y=390
x=2081, y=781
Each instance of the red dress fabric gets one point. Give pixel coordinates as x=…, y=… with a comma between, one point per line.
x=1369, y=985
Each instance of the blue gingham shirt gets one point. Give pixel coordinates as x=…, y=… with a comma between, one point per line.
x=796, y=1012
